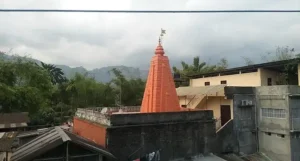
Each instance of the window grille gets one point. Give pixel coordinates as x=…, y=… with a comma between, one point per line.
x=273, y=113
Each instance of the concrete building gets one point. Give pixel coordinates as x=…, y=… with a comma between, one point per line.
x=206, y=91
x=268, y=123
x=278, y=116
x=265, y=74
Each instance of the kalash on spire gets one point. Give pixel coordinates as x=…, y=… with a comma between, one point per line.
x=160, y=92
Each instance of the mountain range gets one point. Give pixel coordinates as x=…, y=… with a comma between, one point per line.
x=100, y=74
x=103, y=74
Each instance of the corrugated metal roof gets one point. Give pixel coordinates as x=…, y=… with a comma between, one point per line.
x=9, y=118
x=51, y=139
x=217, y=90
x=37, y=146
x=13, y=125
x=89, y=144
x=33, y=132
x=273, y=64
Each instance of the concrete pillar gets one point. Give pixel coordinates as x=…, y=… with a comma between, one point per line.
x=298, y=74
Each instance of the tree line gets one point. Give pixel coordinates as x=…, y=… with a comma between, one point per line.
x=50, y=98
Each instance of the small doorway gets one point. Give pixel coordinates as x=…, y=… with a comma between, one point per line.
x=225, y=114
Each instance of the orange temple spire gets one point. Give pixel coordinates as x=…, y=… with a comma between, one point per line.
x=160, y=92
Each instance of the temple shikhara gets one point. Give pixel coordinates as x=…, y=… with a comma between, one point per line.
x=160, y=93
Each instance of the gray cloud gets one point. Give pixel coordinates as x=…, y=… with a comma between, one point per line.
x=97, y=40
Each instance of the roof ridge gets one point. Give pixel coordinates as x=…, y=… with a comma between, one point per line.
x=62, y=134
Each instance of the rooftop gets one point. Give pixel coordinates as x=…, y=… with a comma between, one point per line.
x=54, y=137
x=137, y=118
x=12, y=120
x=275, y=65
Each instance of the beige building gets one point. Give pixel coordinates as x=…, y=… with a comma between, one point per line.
x=206, y=91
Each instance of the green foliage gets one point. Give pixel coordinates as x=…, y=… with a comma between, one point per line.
x=248, y=61
x=127, y=92
x=198, y=67
x=56, y=74
x=290, y=71
x=24, y=86
x=51, y=99
x=281, y=53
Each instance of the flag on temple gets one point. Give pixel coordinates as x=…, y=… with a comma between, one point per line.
x=162, y=32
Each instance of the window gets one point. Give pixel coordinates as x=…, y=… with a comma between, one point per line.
x=269, y=81
x=280, y=135
x=183, y=106
x=207, y=83
x=223, y=82
x=273, y=113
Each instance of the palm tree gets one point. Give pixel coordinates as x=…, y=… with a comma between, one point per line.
x=198, y=67
x=56, y=74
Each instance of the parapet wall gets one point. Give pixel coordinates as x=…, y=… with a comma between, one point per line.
x=127, y=116
x=158, y=118
x=174, y=134
x=102, y=115
x=93, y=116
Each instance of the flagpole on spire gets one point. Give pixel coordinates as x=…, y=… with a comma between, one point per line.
x=162, y=32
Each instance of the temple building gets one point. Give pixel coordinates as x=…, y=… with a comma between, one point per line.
x=160, y=128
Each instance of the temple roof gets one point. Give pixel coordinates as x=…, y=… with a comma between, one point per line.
x=160, y=92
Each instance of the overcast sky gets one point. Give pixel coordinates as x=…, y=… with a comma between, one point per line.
x=95, y=40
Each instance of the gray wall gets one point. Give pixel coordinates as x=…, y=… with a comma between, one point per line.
x=227, y=140
x=274, y=129
x=245, y=124
x=295, y=112
x=189, y=134
x=295, y=146
x=278, y=133
x=295, y=126
x=244, y=131
x=275, y=147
